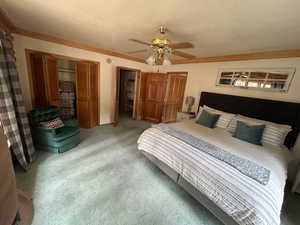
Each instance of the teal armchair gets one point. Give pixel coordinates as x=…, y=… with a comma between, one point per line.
x=55, y=140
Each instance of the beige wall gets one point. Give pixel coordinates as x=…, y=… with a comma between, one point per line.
x=107, y=71
x=202, y=77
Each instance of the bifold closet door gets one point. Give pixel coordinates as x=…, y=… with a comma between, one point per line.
x=94, y=97
x=140, y=95
x=44, y=78
x=52, y=80
x=117, y=99
x=87, y=94
x=174, y=96
x=38, y=89
x=155, y=91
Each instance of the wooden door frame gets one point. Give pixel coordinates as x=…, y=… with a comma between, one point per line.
x=28, y=52
x=117, y=92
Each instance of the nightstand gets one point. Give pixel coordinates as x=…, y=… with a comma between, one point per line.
x=185, y=116
x=296, y=186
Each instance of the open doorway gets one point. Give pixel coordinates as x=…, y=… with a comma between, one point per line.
x=126, y=84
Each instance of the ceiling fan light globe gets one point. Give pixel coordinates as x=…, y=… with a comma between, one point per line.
x=167, y=62
x=150, y=60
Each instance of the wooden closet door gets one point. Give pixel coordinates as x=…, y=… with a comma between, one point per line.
x=174, y=96
x=51, y=78
x=38, y=83
x=87, y=92
x=155, y=90
x=140, y=95
x=117, y=97
x=94, y=94
x=83, y=93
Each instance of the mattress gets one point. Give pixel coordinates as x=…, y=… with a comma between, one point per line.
x=242, y=198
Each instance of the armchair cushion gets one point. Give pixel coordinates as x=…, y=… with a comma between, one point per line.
x=55, y=123
x=71, y=123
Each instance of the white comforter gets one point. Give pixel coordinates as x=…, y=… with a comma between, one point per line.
x=244, y=199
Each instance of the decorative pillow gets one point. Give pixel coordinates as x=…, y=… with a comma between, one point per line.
x=251, y=134
x=55, y=123
x=274, y=134
x=208, y=119
x=224, y=119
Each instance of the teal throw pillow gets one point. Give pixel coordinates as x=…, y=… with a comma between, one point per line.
x=252, y=134
x=208, y=119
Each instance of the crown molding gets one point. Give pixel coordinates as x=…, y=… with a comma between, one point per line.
x=242, y=57
x=57, y=40
x=5, y=22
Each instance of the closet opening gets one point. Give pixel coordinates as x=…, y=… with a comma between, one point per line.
x=67, y=88
x=69, y=83
x=127, y=79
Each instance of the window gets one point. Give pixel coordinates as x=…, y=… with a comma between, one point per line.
x=264, y=79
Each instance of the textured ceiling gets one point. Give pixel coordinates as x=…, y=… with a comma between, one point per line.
x=215, y=27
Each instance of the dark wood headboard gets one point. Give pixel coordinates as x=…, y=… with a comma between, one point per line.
x=263, y=109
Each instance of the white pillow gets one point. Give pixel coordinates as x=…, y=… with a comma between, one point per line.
x=224, y=118
x=274, y=133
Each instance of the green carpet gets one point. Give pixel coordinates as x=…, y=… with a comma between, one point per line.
x=106, y=181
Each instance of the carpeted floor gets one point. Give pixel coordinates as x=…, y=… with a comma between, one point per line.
x=106, y=181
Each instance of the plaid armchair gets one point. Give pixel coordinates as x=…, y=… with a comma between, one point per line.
x=55, y=140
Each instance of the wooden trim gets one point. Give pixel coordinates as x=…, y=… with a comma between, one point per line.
x=117, y=93
x=59, y=56
x=74, y=44
x=5, y=22
x=242, y=57
x=99, y=93
x=105, y=124
x=180, y=73
x=128, y=68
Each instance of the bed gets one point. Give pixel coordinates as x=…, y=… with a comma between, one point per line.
x=237, y=195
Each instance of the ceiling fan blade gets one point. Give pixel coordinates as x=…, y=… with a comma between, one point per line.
x=182, y=54
x=182, y=45
x=140, y=42
x=137, y=51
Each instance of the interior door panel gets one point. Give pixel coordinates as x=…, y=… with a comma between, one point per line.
x=155, y=91
x=94, y=93
x=52, y=81
x=175, y=95
x=83, y=94
x=39, y=95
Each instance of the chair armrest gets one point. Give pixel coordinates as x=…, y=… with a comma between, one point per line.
x=71, y=123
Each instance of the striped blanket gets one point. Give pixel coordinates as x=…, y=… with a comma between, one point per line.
x=244, y=199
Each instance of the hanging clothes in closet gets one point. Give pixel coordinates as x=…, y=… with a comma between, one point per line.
x=67, y=96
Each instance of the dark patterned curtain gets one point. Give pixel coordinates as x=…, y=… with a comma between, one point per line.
x=13, y=116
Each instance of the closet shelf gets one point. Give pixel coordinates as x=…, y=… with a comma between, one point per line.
x=66, y=70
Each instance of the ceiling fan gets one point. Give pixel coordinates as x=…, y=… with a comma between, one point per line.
x=161, y=48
